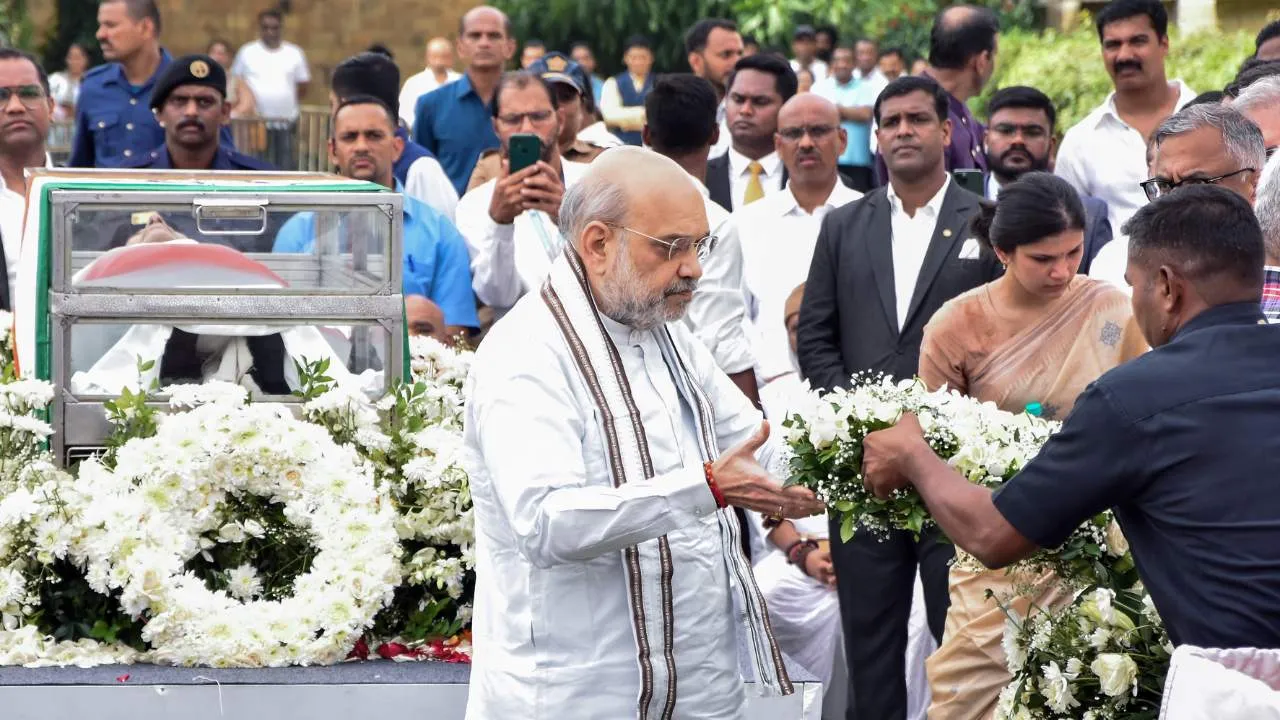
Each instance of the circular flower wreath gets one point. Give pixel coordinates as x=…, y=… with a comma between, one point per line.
x=171, y=497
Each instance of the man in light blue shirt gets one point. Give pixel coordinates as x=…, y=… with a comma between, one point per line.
x=437, y=265
x=855, y=97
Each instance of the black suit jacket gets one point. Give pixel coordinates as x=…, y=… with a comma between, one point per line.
x=1097, y=230
x=5, y=301
x=718, y=184
x=848, y=319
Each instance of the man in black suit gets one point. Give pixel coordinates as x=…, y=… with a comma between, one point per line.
x=883, y=265
x=751, y=168
x=1020, y=126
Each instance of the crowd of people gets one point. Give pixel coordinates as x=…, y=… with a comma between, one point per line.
x=776, y=221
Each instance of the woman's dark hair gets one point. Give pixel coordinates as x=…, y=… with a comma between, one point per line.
x=1036, y=206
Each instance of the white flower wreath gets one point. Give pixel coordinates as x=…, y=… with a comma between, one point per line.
x=164, y=504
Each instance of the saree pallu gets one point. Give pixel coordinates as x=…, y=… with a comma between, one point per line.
x=1050, y=362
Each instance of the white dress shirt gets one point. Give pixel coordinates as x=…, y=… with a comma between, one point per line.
x=740, y=175
x=417, y=86
x=509, y=260
x=598, y=134
x=13, y=208
x=718, y=313
x=726, y=139
x=1104, y=157
x=615, y=113
x=777, y=239
x=911, y=238
x=426, y=181
x=817, y=67
x=553, y=627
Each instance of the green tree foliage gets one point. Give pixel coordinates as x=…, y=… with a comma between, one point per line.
x=1068, y=66
x=77, y=23
x=15, y=25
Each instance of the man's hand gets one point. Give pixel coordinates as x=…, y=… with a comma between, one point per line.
x=818, y=566
x=508, y=194
x=745, y=484
x=886, y=454
x=543, y=191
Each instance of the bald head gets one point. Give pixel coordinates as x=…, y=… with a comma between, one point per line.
x=439, y=54
x=636, y=219
x=810, y=141
x=485, y=39
x=791, y=314
x=424, y=317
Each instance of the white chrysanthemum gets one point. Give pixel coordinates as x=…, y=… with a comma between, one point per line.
x=1057, y=689
x=243, y=582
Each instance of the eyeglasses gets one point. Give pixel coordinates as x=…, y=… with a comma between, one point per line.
x=1158, y=187
x=29, y=95
x=701, y=247
x=1030, y=131
x=1272, y=151
x=515, y=120
x=817, y=132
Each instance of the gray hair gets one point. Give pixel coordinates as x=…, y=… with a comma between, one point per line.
x=1267, y=207
x=1261, y=95
x=593, y=199
x=1242, y=138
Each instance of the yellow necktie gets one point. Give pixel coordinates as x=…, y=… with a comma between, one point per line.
x=755, y=190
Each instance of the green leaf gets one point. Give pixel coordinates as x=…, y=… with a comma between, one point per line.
x=847, y=523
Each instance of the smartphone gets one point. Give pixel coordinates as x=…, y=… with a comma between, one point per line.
x=523, y=150
x=971, y=180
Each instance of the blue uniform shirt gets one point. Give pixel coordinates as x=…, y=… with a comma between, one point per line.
x=437, y=264
x=114, y=122
x=413, y=152
x=1182, y=443
x=455, y=125
x=224, y=159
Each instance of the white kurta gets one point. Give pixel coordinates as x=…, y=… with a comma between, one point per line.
x=553, y=629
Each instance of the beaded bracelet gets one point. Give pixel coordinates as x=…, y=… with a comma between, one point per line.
x=715, y=489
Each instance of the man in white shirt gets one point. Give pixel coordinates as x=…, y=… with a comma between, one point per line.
x=804, y=44
x=26, y=111
x=276, y=71
x=680, y=124
x=438, y=72
x=758, y=87
x=607, y=560
x=882, y=266
x=778, y=234
x=510, y=221
x=1105, y=154
x=712, y=47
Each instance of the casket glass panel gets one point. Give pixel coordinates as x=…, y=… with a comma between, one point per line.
x=284, y=243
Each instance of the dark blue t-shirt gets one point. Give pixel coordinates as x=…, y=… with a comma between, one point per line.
x=1184, y=444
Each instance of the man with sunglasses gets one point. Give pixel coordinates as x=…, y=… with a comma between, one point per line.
x=1210, y=144
x=26, y=111
x=510, y=222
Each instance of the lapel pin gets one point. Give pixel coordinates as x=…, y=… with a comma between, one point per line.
x=946, y=232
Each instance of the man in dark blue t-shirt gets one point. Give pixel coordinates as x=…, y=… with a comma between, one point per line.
x=1181, y=442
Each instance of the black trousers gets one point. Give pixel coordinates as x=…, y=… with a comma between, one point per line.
x=876, y=581
x=862, y=179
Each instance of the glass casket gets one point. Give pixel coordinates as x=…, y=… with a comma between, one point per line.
x=146, y=280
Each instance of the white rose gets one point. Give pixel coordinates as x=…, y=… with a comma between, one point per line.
x=1116, y=672
x=231, y=533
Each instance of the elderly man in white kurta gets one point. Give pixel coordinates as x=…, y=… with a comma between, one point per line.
x=606, y=450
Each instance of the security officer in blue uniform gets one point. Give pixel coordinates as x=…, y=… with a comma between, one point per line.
x=114, y=123
x=190, y=104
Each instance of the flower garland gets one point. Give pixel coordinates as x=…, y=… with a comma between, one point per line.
x=182, y=496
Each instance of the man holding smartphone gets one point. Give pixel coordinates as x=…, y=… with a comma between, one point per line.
x=510, y=222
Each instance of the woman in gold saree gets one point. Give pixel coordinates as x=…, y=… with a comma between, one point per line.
x=1033, y=339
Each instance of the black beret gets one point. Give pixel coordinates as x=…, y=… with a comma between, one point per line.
x=189, y=70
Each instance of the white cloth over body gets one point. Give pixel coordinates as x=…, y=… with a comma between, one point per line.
x=1208, y=684
x=559, y=542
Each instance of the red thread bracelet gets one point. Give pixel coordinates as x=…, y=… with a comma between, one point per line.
x=715, y=489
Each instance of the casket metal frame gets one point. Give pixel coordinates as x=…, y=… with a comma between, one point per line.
x=340, y=286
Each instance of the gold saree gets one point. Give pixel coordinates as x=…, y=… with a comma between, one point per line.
x=971, y=348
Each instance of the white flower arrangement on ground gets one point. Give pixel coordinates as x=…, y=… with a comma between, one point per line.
x=985, y=444
x=252, y=483
x=1104, y=657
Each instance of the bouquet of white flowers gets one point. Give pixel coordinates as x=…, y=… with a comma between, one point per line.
x=1104, y=657
x=985, y=444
